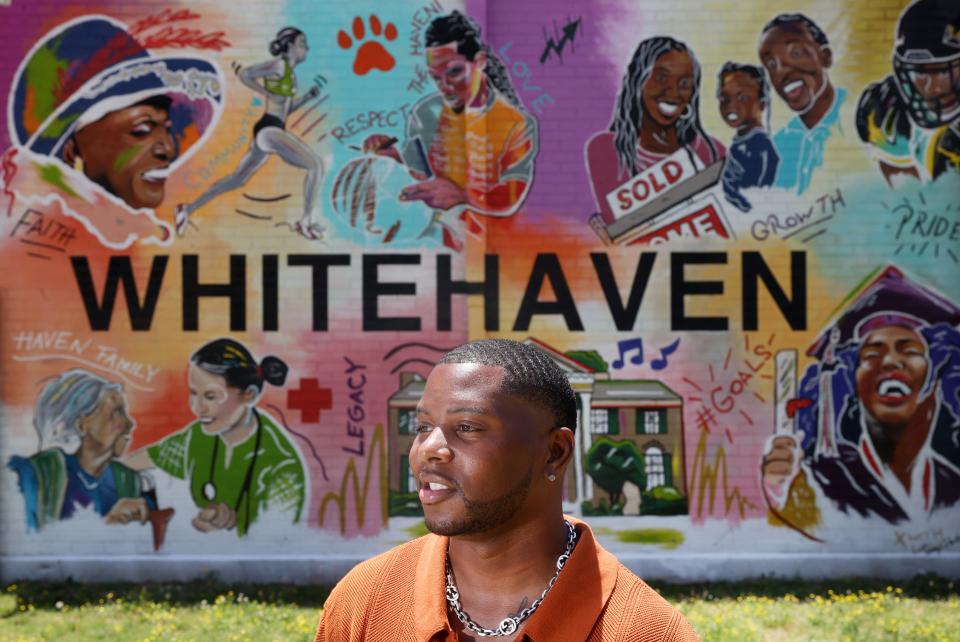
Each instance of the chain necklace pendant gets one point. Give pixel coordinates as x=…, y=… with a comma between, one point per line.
x=209, y=491
x=511, y=623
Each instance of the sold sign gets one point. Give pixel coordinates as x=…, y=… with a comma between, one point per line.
x=650, y=183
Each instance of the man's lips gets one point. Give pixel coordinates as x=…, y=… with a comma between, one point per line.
x=894, y=389
x=732, y=116
x=793, y=89
x=156, y=175
x=435, y=488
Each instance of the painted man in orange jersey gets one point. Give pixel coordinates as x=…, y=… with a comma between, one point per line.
x=471, y=144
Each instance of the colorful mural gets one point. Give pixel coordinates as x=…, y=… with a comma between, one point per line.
x=233, y=243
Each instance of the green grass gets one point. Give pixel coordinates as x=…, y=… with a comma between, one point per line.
x=926, y=609
x=664, y=537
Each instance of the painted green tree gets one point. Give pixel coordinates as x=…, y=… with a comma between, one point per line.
x=613, y=463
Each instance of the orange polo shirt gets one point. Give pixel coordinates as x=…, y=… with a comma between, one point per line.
x=399, y=596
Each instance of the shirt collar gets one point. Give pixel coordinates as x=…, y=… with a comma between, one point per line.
x=573, y=605
x=429, y=603
x=829, y=119
x=569, y=611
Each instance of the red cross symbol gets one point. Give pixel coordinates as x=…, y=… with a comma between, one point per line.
x=310, y=399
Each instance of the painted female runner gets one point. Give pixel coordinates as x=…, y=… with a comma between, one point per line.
x=276, y=81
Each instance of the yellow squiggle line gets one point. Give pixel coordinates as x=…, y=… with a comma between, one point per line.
x=360, y=498
x=708, y=477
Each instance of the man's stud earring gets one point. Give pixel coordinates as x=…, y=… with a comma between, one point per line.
x=552, y=477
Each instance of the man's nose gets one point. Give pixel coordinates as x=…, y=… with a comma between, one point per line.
x=435, y=447
x=892, y=360
x=164, y=148
x=445, y=85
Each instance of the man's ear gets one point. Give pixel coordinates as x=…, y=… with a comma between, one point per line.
x=480, y=59
x=70, y=151
x=826, y=56
x=559, y=451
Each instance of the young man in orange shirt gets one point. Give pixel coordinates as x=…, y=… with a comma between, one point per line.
x=495, y=434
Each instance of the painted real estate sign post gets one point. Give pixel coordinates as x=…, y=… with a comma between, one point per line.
x=234, y=239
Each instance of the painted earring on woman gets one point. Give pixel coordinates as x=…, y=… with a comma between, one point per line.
x=78, y=163
x=552, y=477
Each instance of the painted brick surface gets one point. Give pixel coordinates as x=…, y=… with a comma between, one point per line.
x=221, y=291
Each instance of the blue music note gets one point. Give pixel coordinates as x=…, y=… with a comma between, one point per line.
x=625, y=347
x=661, y=363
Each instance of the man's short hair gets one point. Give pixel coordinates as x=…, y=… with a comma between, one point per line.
x=529, y=373
x=795, y=19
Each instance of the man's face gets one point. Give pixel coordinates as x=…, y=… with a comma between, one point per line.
x=476, y=449
x=740, y=104
x=127, y=152
x=219, y=407
x=797, y=65
x=891, y=370
x=939, y=85
x=107, y=429
x=669, y=87
x=457, y=78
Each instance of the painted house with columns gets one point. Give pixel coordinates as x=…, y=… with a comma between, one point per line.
x=610, y=412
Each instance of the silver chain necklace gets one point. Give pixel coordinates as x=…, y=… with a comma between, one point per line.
x=511, y=623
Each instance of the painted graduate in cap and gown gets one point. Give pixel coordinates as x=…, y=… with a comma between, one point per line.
x=877, y=417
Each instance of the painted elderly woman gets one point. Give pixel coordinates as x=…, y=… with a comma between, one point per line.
x=83, y=426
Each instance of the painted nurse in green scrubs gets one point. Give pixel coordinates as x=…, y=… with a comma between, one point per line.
x=237, y=460
x=276, y=82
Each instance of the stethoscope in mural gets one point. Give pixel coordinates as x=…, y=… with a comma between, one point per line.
x=209, y=488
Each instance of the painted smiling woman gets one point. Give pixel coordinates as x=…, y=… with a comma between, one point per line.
x=99, y=123
x=657, y=113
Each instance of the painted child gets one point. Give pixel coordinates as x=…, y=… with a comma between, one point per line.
x=752, y=160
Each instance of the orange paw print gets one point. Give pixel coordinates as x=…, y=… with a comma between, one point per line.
x=370, y=54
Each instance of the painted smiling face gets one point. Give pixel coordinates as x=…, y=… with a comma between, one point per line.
x=892, y=369
x=458, y=79
x=474, y=453
x=740, y=104
x=669, y=88
x=797, y=65
x=108, y=427
x=218, y=406
x=127, y=152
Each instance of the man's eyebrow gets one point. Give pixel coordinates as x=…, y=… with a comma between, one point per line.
x=906, y=340
x=473, y=410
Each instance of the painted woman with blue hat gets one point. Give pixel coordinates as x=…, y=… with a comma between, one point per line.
x=276, y=81
x=89, y=104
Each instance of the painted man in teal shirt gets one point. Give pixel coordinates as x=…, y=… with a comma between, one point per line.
x=796, y=54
